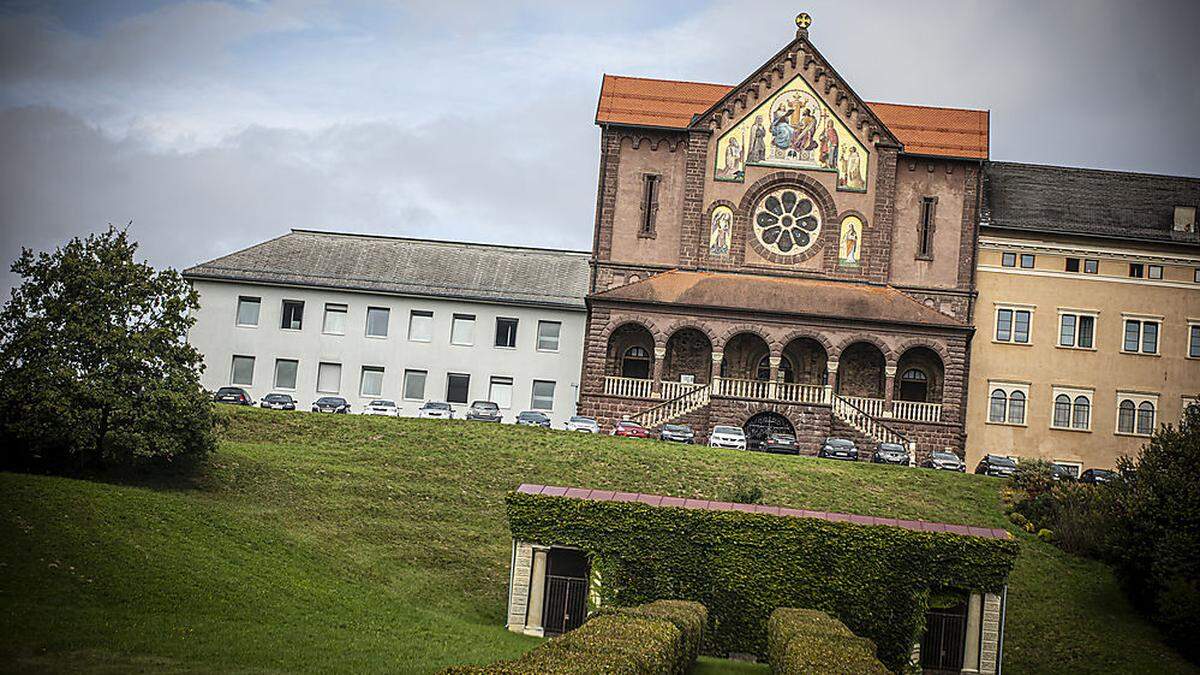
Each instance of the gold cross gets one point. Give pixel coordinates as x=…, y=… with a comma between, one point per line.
x=803, y=20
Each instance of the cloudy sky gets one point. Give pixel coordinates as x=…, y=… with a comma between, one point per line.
x=214, y=125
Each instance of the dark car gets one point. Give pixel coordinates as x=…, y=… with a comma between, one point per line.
x=331, y=404
x=484, y=411
x=1097, y=476
x=235, y=395
x=890, y=453
x=533, y=418
x=944, y=461
x=628, y=429
x=278, y=402
x=996, y=465
x=781, y=443
x=838, y=448
x=678, y=433
x=1060, y=473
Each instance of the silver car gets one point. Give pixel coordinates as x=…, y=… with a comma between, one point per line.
x=727, y=437
x=585, y=424
x=436, y=410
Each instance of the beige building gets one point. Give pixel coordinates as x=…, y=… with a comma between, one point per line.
x=1088, y=313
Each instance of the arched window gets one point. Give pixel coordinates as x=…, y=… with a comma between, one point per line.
x=999, y=406
x=1082, y=418
x=1145, y=418
x=636, y=363
x=1016, y=407
x=914, y=385
x=1062, y=410
x=1125, y=415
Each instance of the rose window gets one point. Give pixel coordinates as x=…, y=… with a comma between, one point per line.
x=786, y=222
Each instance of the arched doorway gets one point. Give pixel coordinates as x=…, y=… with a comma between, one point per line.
x=920, y=376
x=914, y=385
x=636, y=363
x=759, y=426
x=808, y=358
x=689, y=355
x=860, y=371
x=743, y=354
x=630, y=352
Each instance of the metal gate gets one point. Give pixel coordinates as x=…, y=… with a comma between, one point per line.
x=764, y=424
x=944, y=640
x=566, y=604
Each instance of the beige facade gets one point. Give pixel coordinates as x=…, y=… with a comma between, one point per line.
x=1057, y=364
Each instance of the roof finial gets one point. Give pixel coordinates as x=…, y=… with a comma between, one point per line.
x=803, y=20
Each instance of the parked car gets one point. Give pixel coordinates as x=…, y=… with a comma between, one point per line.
x=233, y=395
x=944, y=461
x=678, y=433
x=1097, y=476
x=331, y=404
x=996, y=465
x=838, y=448
x=587, y=425
x=781, y=443
x=382, y=406
x=436, y=409
x=278, y=402
x=1059, y=473
x=630, y=429
x=890, y=453
x=727, y=437
x=484, y=411
x=533, y=418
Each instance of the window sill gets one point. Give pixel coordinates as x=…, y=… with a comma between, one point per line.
x=512, y=348
x=1131, y=434
x=1155, y=354
x=1079, y=431
x=925, y=258
x=420, y=341
x=1075, y=349
x=246, y=325
x=1017, y=344
x=462, y=344
x=1007, y=424
x=376, y=337
x=547, y=351
x=291, y=330
x=647, y=235
x=333, y=334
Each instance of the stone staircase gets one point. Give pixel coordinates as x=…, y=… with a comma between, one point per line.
x=869, y=426
x=672, y=409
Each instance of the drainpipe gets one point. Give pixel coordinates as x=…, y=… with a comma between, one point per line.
x=1000, y=646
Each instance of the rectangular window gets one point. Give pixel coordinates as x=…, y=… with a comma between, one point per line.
x=1004, y=325
x=329, y=378
x=247, y=311
x=1066, y=330
x=458, y=387
x=1196, y=276
x=1027, y=260
x=506, y=333
x=462, y=330
x=547, y=338
x=285, y=373
x=925, y=233
x=293, y=314
x=420, y=326
x=372, y=381
x=649, y=203
x=1149, y=337
x=1137, y=270
x=543, y=395
x=1076, y=330
x=1154, y=271
x=1021, y=326
x=334, y=322
x=414, y=384
x=1087, y=332
x=377, y=321
x=1141, y=336
x=1194, y=341
x=243, y=371
x=1072, y=264
x=1008, y=259
x=500, y=391
x=1091, y=266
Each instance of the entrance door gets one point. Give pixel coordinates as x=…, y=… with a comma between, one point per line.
x=945, y=639
x=566, y=591
x=764, y=424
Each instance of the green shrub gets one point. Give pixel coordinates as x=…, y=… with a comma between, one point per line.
x=742, y=566
x=689, y=617
x=1018, y=518
x=803, y=641
x=1033, y=477
x=1045, y=535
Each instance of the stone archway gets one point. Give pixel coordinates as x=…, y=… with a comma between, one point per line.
x=808, y=360
x=689, y=354
x=920, y=376
x=630, y=352
x=760, y=425
x=742, y=355
x=861, y=371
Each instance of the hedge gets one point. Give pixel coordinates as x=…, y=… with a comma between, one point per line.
x=802, y=641
x=742, y=566
x=659, y=638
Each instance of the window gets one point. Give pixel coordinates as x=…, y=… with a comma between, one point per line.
x=420, y=326
x=1091, y=266
x=1012, y=325
x=285, y=373
x=372, y=381
x=414, y=384
x=377, y=321
x=1141, y=337
x=1154, y=271
x=1081, y=413
x=329, y=378
x=1145, y=418
x=1008, y=259
x=243, y=371
x=500, y=391
x=1196, y=276
x=1137, y=270
x=458, y=387
x=1194, y=340
x=335, y=319
x=506, y=333
x=1072, y=468
x=543, y=395
x=1072, y=264
x=1027, y=260
x=293, y=314
x=462, y=330
x=548, y=332
x=1016, y=407
x=1136, y=413
x=1076, y=330
x=650, y=189
x=1072, y=410
x=1062, y=411
x=925, y=233
x=1006, y=404
x=1126, y=412
x=247, y=311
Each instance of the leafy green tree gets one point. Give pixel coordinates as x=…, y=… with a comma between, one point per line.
x=95, y=368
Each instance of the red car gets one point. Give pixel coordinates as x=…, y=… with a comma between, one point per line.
x=630, y=430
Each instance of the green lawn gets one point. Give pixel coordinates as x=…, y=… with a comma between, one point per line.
x=338, y=543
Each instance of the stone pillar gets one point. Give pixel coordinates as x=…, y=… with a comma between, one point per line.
x=773, y=378
x=831, y=368
x=518, y=590
x=889, y=381
x=714, y=373
x=974, y=619
x=989, y=643
x=660, y=353
x=537, y=592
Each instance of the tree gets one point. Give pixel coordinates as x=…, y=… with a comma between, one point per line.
x=95, y=368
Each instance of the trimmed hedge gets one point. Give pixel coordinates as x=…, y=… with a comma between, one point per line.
x=802, y=641
x=742, y=566
x=659, y=638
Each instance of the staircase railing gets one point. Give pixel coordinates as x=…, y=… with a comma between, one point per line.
x=664, y=412
x=860, y=419
x=628, y=387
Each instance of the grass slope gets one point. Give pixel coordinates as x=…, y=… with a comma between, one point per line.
x=369, y=544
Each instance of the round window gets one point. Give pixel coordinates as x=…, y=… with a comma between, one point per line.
x=787, y=222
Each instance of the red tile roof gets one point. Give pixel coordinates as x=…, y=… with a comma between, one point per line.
x=676, y=502
x=924, y=130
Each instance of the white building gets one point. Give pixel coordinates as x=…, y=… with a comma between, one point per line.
x=360, y=316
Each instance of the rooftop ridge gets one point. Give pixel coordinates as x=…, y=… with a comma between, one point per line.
x=1088, y=169
x=447, y=242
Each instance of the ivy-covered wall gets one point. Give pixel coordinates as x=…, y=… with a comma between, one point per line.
x=742, y=566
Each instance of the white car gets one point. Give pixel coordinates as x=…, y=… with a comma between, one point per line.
x=727, y=437
x=382, y=406
x=436, y=410
x=584, y=424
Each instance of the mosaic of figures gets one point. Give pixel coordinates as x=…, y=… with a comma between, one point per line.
x=720, y=231
x=850, y=241
x=793, y=129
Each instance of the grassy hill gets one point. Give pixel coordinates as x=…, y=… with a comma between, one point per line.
x=334, y=543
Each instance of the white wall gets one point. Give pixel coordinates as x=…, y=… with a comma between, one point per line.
x=218, y=337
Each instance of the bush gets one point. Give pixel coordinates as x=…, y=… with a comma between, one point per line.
x=691, y=618
x=1074, y=513
x=802, y=641
x=1045, y=535
x=744, y=491
x=742, y=566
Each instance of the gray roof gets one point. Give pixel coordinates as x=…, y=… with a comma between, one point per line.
x=412, y=267
x=1087, y=202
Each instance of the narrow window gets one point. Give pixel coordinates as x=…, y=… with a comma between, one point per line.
x=1004, y=325
x=1027, y=260
x=1149, y=337
x=1145, y=418
x=999, y=406
x=329, y=378
x=247, y=311
x=1066, y=330
x=377, y=321
x=649, y=203
x=500, y=391
x=1016, y=408
x=243, y=371
x=1072, y=264
x=1021, y=326
x=1196, y=276
x=1062, y=410
x=1087, y=329
x=285, y=373
x=458, y=387
x=1154, y=271
x=334, y=322
x=1081, y=418
x=1091, y=266
x=420, y=326
x=414, y=384
x=925, y=234
x=1008, y=259
x=543, y=395
x=1133, y=335
x=548, y=332
x=1125, y=415
x=372, y=381
x=293, y=314
x=462, y=330
x=1137, y=270
x=506, y=333
x=1194, y=341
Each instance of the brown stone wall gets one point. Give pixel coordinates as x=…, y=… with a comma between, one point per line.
x=810, y=422
x=930, y=437
x=954, y=184
x=663, y=155
x=689, y=352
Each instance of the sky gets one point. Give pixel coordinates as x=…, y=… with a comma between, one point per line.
x=211, y=126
